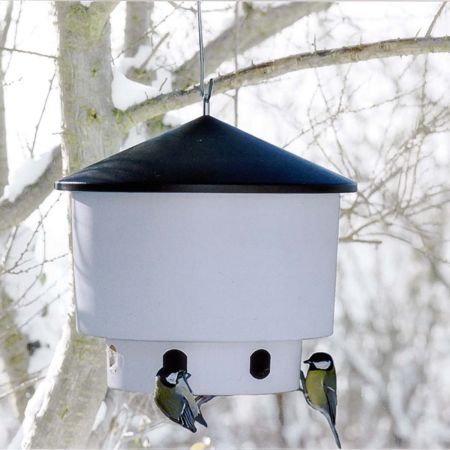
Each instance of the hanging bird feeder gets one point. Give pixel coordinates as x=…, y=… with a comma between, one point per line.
x=209, y=249
x=205, y=249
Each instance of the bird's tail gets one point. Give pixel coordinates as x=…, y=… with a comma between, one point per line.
x=201, y=420
x=201, y=400
x=333, y=430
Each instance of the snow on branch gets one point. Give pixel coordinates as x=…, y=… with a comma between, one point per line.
x=261, y=72
x=26, y=198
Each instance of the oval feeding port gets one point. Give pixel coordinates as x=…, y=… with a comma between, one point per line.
x=175, y=360
x=260, y=364
x=115, y=359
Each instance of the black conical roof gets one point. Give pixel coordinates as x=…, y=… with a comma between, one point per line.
x=205, y=155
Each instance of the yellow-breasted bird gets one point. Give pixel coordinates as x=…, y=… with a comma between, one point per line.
x=319, y=388
x=175, y=399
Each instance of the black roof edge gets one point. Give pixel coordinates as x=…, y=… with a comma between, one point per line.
x=208, y=188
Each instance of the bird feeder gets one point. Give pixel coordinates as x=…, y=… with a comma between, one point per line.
x=207, y=249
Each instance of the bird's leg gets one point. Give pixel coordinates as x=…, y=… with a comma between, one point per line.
x=303, y=388
x=202, y=399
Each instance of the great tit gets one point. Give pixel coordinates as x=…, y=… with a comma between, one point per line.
x=175, y=399
x=319, y=388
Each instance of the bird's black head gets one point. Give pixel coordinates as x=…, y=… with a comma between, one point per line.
x=320, y=361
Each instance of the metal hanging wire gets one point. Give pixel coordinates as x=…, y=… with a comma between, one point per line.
x=206, y=95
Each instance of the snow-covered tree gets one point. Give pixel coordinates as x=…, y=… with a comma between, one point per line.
x=360, y=88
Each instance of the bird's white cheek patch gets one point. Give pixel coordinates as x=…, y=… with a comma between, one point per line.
x=172, y=378
x=324, y=365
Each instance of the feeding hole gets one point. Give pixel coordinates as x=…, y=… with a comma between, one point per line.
x=115, y=359
x=260, y=364
x=174, y=360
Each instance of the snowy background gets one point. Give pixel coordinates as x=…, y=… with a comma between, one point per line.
x=392, y=335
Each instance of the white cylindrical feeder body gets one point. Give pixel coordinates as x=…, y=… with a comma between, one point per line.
x=205, y=271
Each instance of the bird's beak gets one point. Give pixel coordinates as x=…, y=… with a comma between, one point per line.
x=307, y=361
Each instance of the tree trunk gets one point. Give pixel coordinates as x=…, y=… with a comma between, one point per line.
x=14, y=354
x=85, y=74
x=137, y=26
x=3, y=150
x=76, y=383
x=4, y=28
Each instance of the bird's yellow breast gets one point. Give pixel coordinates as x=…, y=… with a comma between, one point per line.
x=314, y=388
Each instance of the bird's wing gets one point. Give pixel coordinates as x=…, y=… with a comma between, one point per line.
x=332, y=402
x=175, y=408
x=187, y=418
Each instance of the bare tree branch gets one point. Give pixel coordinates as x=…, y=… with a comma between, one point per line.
x=262, y=72
x=38, y=125
x=20, y=387
x=435, y=18
x=27, y=52
x=14, y=212
x=256, y=26
x=6, y=24
x=253, y=28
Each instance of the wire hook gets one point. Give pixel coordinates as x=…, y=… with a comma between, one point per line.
x=206, y=95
